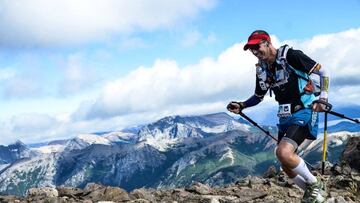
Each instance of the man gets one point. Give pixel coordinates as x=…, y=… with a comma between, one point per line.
x=285, y=72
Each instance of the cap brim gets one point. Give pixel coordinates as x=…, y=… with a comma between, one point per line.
x=251, y=42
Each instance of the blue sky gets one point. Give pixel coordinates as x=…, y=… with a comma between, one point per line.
x=75, y=67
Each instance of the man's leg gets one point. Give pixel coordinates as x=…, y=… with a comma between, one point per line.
x=297, y=179
x=295, y=165
x=293, y=138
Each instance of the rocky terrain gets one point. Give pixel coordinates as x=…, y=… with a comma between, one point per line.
x=342, y=182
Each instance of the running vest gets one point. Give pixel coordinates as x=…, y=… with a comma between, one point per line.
x=285, y=81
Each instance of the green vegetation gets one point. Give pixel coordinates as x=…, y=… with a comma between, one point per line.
x=25, y=181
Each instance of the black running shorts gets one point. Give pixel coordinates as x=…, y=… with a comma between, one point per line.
x=294, y=135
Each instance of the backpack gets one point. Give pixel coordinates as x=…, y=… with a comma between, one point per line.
x=312, y=86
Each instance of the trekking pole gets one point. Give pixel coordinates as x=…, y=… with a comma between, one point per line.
x=266, y=132
x=342, y=116
x=255, y=124
x=327, y=109
x=324, y=145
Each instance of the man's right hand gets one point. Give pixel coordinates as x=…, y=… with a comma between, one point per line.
x=235, y=107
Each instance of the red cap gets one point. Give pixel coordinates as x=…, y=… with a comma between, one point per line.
x=256, y=37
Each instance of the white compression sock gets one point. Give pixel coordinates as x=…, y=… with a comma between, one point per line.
x=299, y=181
x=304, y=172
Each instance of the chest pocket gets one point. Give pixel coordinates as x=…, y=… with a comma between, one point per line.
x=268, y=79
x=263, y=77
x=281, y=76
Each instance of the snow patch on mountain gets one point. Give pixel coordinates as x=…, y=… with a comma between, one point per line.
x=36, y=172
x=84, y=140
x=160, y=143
x=215, y=129
x=335, y=139
x=232, y=125
x=240, y=126
x=228, y=155
x=120, y=137
x=183, y=163
x=49, y=149
x=2, y=166
x=76, y=178
x=163, y=138
x=93, y=139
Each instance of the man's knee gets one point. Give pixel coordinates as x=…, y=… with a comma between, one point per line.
x=281, y=154
x=284, y=151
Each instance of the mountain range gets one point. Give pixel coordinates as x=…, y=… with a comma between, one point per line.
x=172, y=152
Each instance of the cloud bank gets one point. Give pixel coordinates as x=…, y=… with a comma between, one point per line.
x=67, y=22
x=166, y=86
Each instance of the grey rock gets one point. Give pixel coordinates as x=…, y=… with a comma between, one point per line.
x=69, y=192
x=199, y=188
x=92, y=187
x=45, y=192
x=143, y=194
x=346, y=183
x=10, y=198
x=139, y=201
x=336, y=200
x=107, y=194
x=292, y=193
x=351, y=154
x=270, y=173
x=336, y=169
x=116, y=194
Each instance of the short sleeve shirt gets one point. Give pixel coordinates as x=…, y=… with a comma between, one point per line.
x=288, y=92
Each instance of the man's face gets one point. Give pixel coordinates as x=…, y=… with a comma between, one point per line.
x=261, y=50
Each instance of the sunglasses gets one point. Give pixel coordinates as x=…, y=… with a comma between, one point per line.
x=256, y=47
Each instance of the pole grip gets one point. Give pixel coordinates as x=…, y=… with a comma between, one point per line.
x=327, y=105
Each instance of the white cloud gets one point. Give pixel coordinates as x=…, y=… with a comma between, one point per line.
x=77, y=76
x=51, y=22
x=28, y=127
x=165, y=85
x=22, y=87
x=31, y=122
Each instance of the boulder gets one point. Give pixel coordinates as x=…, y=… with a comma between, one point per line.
x=199, y=188
x=351, y=154
x=43, y=192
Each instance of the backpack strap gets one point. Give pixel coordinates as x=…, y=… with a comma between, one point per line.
x=282, y=53
x=281, y=59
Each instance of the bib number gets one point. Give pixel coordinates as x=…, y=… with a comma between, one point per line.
x=284, y=110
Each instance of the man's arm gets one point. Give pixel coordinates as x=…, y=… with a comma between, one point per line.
x=237, y=107
x=255, y=99
x=324, y=80
x=324, y=86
